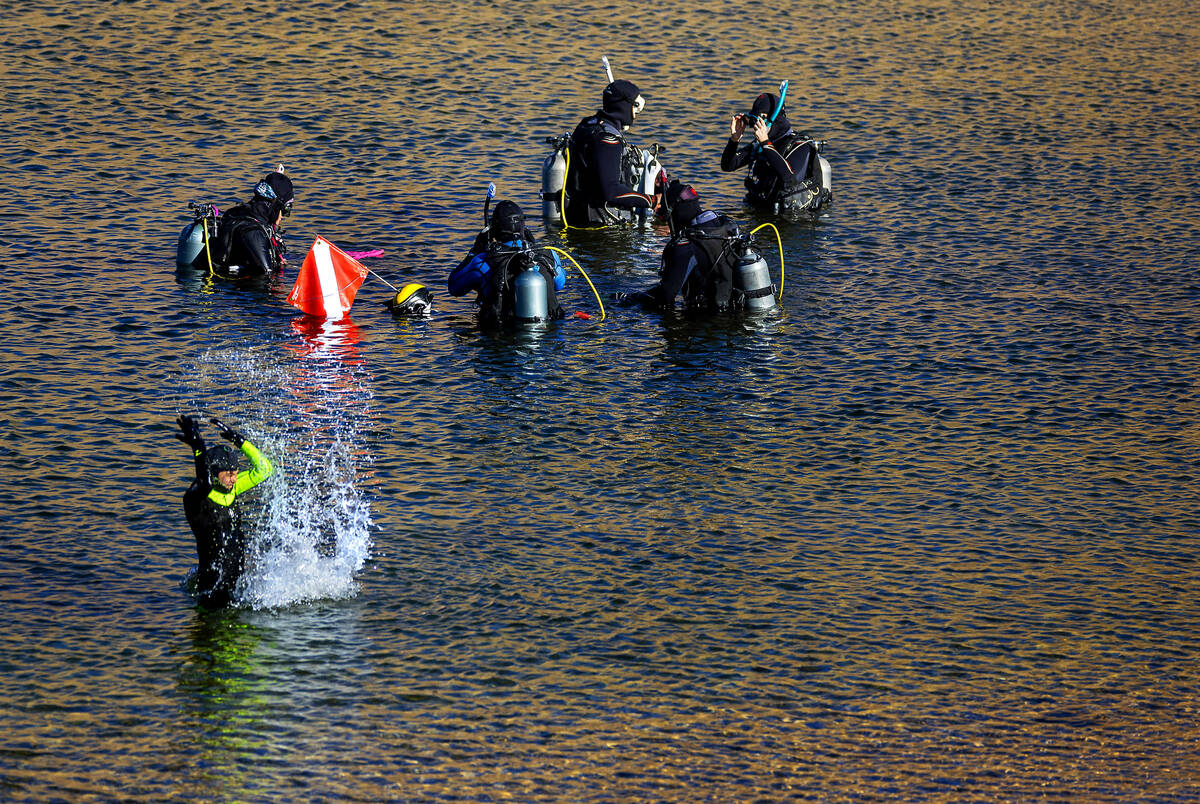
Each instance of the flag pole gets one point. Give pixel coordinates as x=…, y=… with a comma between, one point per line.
x=381, y=279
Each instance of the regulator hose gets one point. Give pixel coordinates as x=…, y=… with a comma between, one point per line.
x=585, y=276
x=207, y=250
x=779, y=242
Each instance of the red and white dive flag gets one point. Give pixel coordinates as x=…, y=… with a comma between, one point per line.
x=327, y=281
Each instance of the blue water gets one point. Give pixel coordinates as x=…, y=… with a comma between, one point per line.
x=928, y=532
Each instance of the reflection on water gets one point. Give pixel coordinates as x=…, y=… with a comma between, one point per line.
x=233, y=715
x=224, y=704
x=928, y=531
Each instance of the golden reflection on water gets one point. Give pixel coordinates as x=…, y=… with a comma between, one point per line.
x=894, y=545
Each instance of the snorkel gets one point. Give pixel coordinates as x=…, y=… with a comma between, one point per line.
x=779, y=106
x=487, y=202
x=783, y=86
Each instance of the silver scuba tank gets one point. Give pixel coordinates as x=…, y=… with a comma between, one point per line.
x=554, y=176
x=648, y=178
x=753, y=278
x=530, y=304
x=826, y=177
x=190, y=246
x=193, y=240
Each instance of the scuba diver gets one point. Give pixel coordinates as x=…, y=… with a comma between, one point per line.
x=515, y=281
x=249, y=239
x=709, y=260
x=786, y=173
x=209, y=504
x=601, y=185
x=698, y=261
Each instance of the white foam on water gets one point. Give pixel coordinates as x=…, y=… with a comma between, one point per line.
x=313, y=534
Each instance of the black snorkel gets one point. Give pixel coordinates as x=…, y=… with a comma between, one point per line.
x=487, y=202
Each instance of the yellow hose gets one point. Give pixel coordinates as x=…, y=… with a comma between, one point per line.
x=207, y=251
x=779, y=241
x=585, y=276
x=562, y=194
x=562, y=200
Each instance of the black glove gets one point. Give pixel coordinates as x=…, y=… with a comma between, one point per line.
x=228, y=433
x=191, y=432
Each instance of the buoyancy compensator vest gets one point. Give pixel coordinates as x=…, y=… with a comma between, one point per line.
x=584, y=197
x=804, y=189
x=237, y=239
x=710, y=282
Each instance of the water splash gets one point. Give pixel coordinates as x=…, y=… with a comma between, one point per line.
x=314, y=533
x=309, y=524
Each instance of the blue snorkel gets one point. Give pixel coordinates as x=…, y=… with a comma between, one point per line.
x=779, y=106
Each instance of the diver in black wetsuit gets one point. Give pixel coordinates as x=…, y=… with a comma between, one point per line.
x=249, y=241
x=782, y=164
x=209, y=504
x=600, y=181
x=697, y=261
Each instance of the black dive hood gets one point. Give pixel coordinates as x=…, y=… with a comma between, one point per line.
x=272, y=195
x=764, y=106
x=621, y=101
x=221, y=458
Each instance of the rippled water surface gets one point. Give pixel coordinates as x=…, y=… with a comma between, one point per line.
x=929, y=532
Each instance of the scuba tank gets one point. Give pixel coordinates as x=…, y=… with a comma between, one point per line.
x=554, y=177
x=648, y=179
x=753, y=279
x=651, y=169
x=826, y=180
x=196, y=236
x=530, y=304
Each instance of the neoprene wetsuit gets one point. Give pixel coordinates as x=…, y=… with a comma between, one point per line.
x=217, y=526
x=777, y=169
x=603, y=193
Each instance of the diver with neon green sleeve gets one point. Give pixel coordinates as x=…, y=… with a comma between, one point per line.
x=210, y=505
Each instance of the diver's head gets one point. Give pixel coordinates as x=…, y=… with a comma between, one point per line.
x=507, y=223
x=412, y=300
x=764, y=106
x=684, y=203
x=223, y=464
x=275, y=193
x=623, y=101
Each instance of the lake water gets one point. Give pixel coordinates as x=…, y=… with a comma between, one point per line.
x=929, y=532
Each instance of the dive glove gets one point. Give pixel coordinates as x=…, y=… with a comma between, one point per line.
x=191, y=432
x=228, y=433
